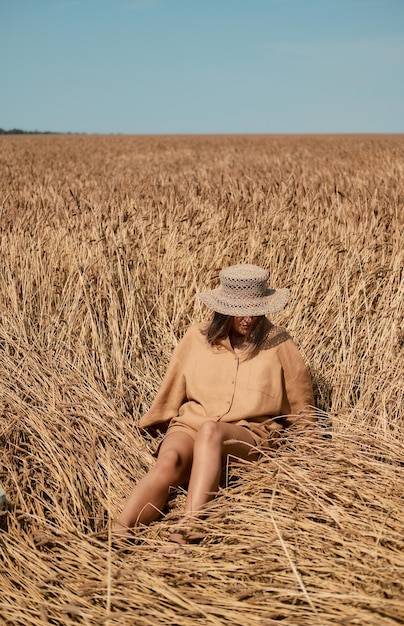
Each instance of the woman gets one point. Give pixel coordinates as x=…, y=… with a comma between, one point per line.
x=232, y=385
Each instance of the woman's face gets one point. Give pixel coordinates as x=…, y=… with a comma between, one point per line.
x=243, y=325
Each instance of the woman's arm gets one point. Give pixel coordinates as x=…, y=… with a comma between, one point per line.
x=298, y=405
x=171, y=395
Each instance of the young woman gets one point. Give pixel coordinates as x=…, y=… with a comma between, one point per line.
x=231, y=386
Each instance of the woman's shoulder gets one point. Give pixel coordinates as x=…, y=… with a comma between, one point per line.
x=192, y=339
x=276, y=336
x=196, y=328
x=194, y=332
x=286, y=348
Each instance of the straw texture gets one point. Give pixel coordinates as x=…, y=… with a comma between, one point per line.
x=104, y=243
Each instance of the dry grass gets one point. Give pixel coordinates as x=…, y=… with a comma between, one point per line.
x=104, y=241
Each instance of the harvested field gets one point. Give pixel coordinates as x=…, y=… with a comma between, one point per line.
x=104, y=242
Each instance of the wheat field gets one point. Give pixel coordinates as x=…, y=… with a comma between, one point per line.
x=104, y=241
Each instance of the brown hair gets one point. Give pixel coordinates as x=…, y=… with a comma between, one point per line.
x=220, y=326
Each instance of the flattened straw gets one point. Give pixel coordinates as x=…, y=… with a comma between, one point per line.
x=286, y=551
x=109, y=553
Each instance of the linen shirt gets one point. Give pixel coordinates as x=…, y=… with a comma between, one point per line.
x=205, y=382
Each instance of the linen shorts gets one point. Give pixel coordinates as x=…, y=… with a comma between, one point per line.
x=264, y=434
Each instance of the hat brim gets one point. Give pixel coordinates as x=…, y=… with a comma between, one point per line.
x=272, y=301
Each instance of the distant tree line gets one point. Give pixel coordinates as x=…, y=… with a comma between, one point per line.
x=18, y=131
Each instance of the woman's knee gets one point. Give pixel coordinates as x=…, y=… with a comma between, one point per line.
x=209, y=434
x=170, y=463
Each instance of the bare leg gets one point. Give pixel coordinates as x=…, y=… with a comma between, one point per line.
x=210, y=451
x=149, y=496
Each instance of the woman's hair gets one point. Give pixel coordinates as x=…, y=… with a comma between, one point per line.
x=220, y=326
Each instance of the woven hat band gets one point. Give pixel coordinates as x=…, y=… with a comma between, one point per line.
x=244, y=281
x=250, y=288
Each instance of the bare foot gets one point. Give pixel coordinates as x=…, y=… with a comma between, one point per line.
x=119, y=531
x=122, y=538
x=176, y=543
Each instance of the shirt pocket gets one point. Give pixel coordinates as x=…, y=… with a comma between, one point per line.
x=265, y=379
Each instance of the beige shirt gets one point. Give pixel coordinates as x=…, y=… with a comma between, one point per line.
x=219, y=383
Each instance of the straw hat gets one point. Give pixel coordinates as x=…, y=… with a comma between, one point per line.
x=243, y=291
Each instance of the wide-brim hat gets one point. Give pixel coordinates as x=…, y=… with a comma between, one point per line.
x=244, y=291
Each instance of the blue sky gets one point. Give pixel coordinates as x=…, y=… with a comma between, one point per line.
x=202, y=66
